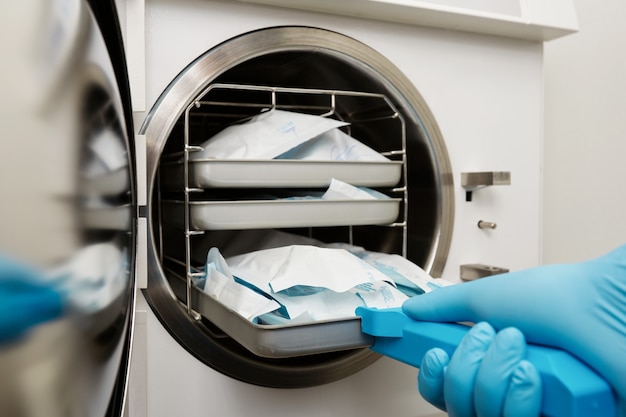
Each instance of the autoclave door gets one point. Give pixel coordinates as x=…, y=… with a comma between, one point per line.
x=68, y=205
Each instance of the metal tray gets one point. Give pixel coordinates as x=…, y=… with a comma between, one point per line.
x=277, y=341
x=261, y=214
x=278, y=173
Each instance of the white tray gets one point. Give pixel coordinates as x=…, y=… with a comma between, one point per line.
x=276, y=340
x=259, y=214
x=281, y=173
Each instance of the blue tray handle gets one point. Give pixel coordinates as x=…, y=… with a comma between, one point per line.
x=570, y=388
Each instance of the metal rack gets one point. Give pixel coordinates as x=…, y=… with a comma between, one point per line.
x=218, y=99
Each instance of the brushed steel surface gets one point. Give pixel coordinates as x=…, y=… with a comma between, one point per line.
x=470, y=272
x=474, y=180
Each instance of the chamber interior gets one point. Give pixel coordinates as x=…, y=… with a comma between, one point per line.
x=382, y=119
x=371, y=122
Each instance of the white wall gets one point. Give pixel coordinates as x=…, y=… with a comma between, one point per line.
x=584, y=212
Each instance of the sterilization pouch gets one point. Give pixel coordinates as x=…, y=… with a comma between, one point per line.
x=219, y=284
x=275, y=270
x=265, y=136
x=244, y=284
x=301, y=303
x=411, y=279
x=304, y=283
x=333, y=145
x=339, y=190
x=319, y=283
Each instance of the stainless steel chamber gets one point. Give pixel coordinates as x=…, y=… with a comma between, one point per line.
x=310, y=70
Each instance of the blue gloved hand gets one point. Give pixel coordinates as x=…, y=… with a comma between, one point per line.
x=580, y=308
x=25, y=300
x=487, y=376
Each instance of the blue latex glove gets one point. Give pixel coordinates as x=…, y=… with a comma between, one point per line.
x=25, y=301
x=580, y=308
x=487, y=376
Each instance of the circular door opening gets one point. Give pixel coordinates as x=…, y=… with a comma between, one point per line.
x=308, y=59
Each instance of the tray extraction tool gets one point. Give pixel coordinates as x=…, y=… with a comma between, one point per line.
x=570, y=388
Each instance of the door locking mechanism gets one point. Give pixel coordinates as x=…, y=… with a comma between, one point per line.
x=470, y=272
x=473, y=181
